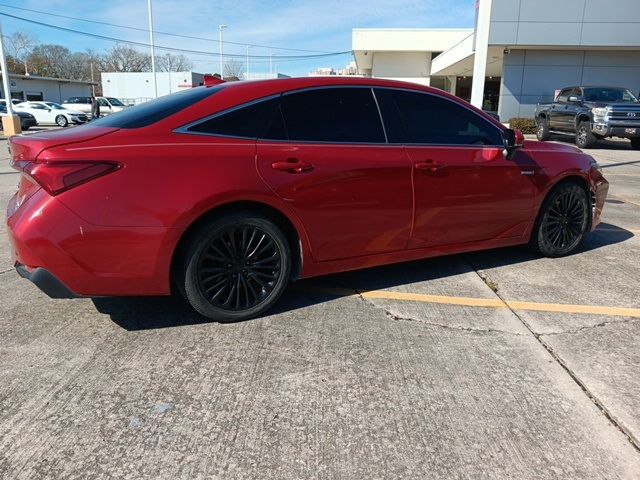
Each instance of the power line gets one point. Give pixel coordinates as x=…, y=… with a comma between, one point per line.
x=170, y=49
x=160, y=33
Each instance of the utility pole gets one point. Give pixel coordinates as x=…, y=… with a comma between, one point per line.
x=220, y=28
x=93, y=86
x=10, y=122
x=153, y=52
x=247, y=76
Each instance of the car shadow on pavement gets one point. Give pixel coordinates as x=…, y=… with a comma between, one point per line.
x=147, y=313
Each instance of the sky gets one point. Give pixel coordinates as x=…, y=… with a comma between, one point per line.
x=322, y=25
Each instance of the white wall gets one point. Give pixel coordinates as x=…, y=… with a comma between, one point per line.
x=52, y=90
x=409, y=67
x=132, y=85
x=532, y=76
x=565, y=22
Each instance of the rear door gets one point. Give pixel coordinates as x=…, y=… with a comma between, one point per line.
x=325, y=154
x=465, y=189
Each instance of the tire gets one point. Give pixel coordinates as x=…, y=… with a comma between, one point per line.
x=62, y=121
x=235, y=268
x=542, y=130
x=584, y=137
x=563, y=221
x=635, y=143
x=26, y=127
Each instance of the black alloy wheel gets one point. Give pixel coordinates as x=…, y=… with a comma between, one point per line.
x=237, y=268
x=563, y=221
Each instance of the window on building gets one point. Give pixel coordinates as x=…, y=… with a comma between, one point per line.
x=431, y=119
x=338, y=115
x=35, y=96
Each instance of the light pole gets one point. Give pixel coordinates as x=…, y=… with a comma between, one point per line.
x=220, y=28
x=153, y=52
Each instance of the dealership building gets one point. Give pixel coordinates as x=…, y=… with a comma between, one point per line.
x=520, y=52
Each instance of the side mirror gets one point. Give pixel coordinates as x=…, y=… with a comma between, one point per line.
x=513, y=139
x=574, y=99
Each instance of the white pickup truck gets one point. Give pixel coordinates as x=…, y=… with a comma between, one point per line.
x=107, y=104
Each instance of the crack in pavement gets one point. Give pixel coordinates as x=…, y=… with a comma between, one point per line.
x=393, y=316
x=635, y=442
x=6, y=271
x=589, y=327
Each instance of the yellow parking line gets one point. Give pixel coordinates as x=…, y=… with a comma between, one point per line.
x=481, y=302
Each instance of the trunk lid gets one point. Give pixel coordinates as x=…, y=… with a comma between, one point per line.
x=26, y=148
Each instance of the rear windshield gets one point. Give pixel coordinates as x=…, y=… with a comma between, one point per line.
x=155, y=110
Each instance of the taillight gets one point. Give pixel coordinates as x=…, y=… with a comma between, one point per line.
x=57, y=177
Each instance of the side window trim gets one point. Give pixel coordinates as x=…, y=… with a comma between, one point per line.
x=384, y=128
x=185, y=128
x=410, y=144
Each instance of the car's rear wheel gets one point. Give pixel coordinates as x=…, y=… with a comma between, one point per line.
x=61, y=121
x=542, y=129
x=584, y=136
x=563, y=221
x=235, y=268
x=635, y=143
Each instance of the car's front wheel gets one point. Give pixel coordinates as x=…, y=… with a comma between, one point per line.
x=584, y=136
x=635, y=143
x=62, y=121
x=563, y=221
x=235, y=268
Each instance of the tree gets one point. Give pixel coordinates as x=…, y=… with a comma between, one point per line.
x=50, y=60
x=234, y=68
x=20, y=45
x=173, y=63
x=122, y=58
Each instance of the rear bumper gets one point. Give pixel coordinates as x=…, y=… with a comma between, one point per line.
x=67, y=256
x=45, y=281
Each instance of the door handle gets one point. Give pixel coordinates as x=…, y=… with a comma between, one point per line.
x=292, y=165
x=430, y=166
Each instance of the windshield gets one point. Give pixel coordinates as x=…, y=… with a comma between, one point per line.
x=608, y=94
x=155, y=110
x=115, y=102
x=55, y=106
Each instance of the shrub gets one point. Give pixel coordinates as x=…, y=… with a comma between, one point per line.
x=525, y=125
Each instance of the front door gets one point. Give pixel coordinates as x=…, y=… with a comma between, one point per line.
x=465, y=189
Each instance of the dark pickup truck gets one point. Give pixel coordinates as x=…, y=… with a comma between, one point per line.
x=591, y=113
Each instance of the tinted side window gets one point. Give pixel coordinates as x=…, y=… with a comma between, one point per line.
x=333, y=115
x=431, y=119
x=249, y=121
x=71, y=100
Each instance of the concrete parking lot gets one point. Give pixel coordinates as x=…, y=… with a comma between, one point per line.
x=491, y=365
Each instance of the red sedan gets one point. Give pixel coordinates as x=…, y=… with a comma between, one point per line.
x=226, y=193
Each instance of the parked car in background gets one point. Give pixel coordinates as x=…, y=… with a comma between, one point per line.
x=51, y=113
x=591, y=113
x=108, y=105
x=226, y=193
x=14, y=101
x=26, y=119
